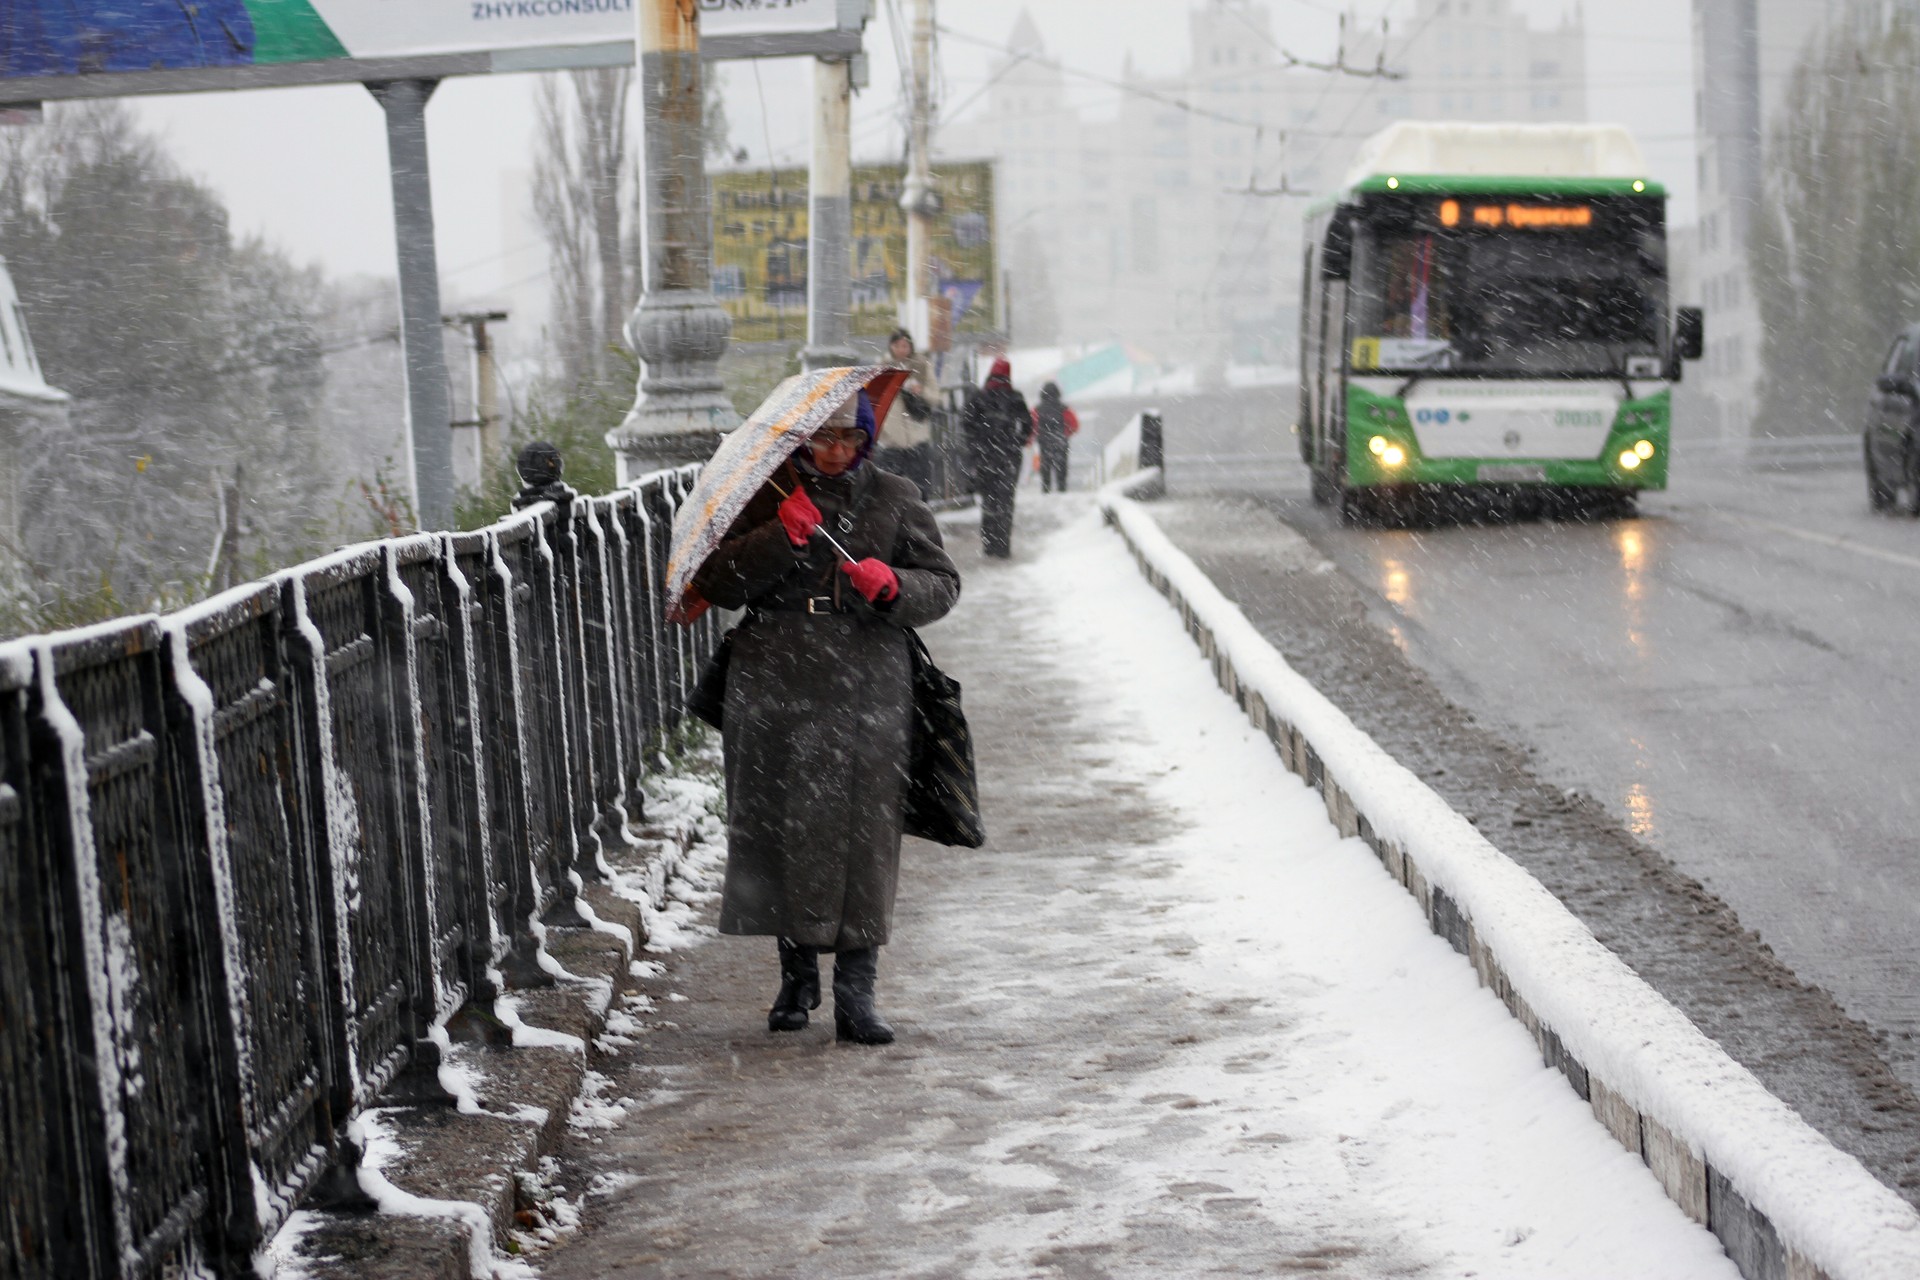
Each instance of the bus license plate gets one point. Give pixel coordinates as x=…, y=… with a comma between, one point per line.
x=1513, y=473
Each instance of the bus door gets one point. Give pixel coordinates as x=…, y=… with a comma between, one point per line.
x=1307, y=424
x=1332, y=375
x=1336, y=265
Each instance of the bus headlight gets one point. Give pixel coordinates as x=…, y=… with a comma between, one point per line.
x=1644, y=448
x=1393, y=455
x=1377, y=446
x=1629, y=460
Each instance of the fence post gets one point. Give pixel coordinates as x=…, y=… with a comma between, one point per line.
x=233, y=729
x=600, y=684
x=136, y=971
x=553, y=652
x=663, y=644
x=356, y=819
x=467, y=749
x=522, y=830
x=413, y=660
x=53, y=1220
x=686, y=668
x=629, y=647
x=570, y=651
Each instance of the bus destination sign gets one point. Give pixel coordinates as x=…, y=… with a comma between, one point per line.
x=1531, y=217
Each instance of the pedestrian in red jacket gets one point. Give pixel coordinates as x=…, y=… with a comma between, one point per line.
x=1053, y=424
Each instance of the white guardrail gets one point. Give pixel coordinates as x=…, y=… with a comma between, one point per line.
x=1783, y=1200
x=1781, y=452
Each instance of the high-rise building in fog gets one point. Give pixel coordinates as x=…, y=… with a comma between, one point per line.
x=1175, y=224
x=1744, y=52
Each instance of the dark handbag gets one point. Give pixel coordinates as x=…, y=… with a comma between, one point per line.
x=708, y=701
x=943, y=792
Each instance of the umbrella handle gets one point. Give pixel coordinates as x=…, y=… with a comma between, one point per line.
x=819, y=529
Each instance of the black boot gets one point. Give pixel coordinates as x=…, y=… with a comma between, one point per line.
x=799, y=987
x=854, y=1017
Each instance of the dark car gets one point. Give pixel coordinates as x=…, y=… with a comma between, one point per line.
x=1892, y=437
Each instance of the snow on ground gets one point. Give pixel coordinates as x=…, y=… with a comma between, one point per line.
x=1406, y=1095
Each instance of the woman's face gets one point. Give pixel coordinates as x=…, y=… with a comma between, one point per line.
x=834, y=448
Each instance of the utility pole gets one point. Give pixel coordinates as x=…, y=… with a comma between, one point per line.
x=679, y=328
x=489, y=443
x=919, y=199
x=428, y=413
x=830, y=219
x=223, y=566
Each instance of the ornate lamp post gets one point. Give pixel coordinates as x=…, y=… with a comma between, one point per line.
x=678, y=328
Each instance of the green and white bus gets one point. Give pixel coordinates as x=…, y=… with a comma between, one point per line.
x=1485, y=306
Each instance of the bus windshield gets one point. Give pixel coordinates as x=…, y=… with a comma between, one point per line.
x=1523, y=296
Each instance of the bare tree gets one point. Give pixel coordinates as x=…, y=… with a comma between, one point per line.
x=186, y=353
x=583, y=184
x=1833, y=249
x=585, y=197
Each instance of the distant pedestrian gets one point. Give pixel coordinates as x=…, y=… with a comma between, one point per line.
x=906, y=446
x=997, y=425
x=1053, y=424
x=818, y=718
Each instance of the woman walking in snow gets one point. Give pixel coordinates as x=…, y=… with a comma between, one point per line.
x=819, y=711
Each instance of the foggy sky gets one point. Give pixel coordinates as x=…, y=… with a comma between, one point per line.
x=306, y=168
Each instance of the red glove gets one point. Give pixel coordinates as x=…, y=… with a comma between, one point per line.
x=873, y=579
x=800, y=516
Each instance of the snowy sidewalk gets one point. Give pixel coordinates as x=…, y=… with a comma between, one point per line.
x=1168, y=1022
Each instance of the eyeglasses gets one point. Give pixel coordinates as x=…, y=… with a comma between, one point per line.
x=841, y=438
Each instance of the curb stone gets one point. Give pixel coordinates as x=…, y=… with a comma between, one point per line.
x=1688, y=1175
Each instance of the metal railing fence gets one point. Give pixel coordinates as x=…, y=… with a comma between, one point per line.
x=255, y=855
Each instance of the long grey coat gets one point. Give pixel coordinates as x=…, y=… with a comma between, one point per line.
x=819, y=708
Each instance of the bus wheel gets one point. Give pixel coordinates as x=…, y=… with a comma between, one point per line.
x=1912, y=485
x=1321, y=488
x=1356, y=507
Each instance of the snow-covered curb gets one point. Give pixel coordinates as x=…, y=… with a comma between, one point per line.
x=1782, y=1199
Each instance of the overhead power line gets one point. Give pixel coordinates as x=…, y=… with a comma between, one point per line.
x=1155, y=95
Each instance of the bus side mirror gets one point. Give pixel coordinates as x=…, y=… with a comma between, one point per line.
x=1689, y=333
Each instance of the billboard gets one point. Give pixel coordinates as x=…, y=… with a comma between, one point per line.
x=52, y=38
x=760, y=249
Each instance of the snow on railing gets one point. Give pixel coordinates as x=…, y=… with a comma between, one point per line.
x=255, y=856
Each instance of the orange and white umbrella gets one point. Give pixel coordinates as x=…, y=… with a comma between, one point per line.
x=747, y=459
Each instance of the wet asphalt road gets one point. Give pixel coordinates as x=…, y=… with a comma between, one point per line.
x=1730, y=675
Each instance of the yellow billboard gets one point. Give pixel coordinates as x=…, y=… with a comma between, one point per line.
x=760, y=249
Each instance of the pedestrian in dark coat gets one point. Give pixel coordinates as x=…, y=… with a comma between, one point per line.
x=819, y=711
x=1053, y=423
x=997, y=425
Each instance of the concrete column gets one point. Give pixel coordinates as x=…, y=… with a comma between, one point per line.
x=830, y=220
x=429, y=412
x=678, y=328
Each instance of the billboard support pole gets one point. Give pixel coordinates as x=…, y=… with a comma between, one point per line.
x=830, y=219
x=429, y=411
x=679, y=328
